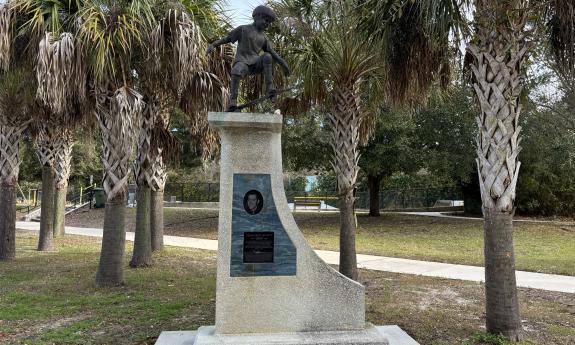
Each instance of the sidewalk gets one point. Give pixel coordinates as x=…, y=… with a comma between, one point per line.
x=443, y=215
x=550, y=282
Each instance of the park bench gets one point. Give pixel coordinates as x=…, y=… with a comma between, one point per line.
x=314, y=201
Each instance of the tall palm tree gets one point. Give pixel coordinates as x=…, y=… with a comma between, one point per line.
x=112, y=33
x=334, y=61
x=499, y=48
x=16, y=105
x=351, y=56
x=176, y=49
x=61, y=89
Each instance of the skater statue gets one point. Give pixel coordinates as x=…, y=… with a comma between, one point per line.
x=248, y=61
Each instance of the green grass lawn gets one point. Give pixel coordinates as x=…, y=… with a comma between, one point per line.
x=539, y=247
x=50, y=298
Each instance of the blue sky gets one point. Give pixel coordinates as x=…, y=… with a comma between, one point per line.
x=240, y=11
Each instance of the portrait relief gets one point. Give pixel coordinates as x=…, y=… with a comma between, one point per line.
x=253, y=202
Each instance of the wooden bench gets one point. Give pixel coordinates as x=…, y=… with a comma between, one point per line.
x=314, y=201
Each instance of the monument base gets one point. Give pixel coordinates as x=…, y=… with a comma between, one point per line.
x=382, y=335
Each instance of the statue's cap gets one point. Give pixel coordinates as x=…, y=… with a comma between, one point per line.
x=264, y=10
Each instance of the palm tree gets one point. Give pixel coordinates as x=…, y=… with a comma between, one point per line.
x=176, y=49
x=61, y=90
x=351, y=57
x=112, y=33
x=16, y=104
x=331, y=57
x=499, y=48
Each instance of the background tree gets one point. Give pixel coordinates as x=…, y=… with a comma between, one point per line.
x=444, y=137
x=390, y=150
x=306, y=143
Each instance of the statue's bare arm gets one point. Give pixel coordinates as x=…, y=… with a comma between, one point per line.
x=279, y=60
x=230, y=38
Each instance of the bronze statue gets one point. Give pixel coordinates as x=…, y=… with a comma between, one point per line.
x=251, y=42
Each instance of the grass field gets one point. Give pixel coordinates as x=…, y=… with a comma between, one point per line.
x=50, y=298
x=539, y=247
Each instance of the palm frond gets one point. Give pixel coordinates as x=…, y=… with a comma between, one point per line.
x=56, y=16
x=60, y=73
x=111, y=31
x=16, y=97
x=561, y=31
x=204, y=93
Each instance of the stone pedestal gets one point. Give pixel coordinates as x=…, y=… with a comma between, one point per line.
x=271, y=286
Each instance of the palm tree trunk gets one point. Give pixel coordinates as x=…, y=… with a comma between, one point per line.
x=345, y=122
x=499, y=50
x=45, y=242
x=7, y=221
x=46, y=152
x=502, y=307
x=9, y=169
x=157, y=220
x=347, y=253
x=62, y=161
x=110, y=269
x=373, y=183
x=142, y=256
x=60, y=210
x=117, y=118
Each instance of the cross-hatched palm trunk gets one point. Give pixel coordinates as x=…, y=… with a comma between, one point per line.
x=345, y=120
x=158, y=172
x=142, y=254
x=499, y=50
x=151, y=178
x=63, y=157
x=117, y=118
x=45, y=149
x=9, y=169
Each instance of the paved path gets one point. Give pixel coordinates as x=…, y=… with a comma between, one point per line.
x=444, y=215
x=551, y=282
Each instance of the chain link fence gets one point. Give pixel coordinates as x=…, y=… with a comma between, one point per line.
x=388, y=199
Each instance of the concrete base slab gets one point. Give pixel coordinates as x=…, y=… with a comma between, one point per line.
x=392, y=335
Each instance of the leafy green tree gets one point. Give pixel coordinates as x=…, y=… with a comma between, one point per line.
x=390, y=150
x=325, y=183
x=296, y=183
x=306, y=143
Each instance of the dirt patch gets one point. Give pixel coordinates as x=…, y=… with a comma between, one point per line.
x=450, y=312
x=34, y=328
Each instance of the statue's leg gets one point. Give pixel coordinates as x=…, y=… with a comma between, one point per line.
x=238, y=72
x=234, y=86
x=268, y=75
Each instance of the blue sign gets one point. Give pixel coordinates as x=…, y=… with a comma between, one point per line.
x=260, y=244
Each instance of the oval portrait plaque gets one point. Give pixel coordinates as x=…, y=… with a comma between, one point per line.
x=253, y=202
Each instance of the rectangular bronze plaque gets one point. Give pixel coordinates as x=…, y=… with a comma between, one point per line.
x=258, y=247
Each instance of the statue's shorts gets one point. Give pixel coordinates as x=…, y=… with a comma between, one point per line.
x=242, y=69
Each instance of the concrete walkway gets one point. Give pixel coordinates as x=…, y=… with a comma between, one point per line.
x=550, y=282
x=443, y=215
